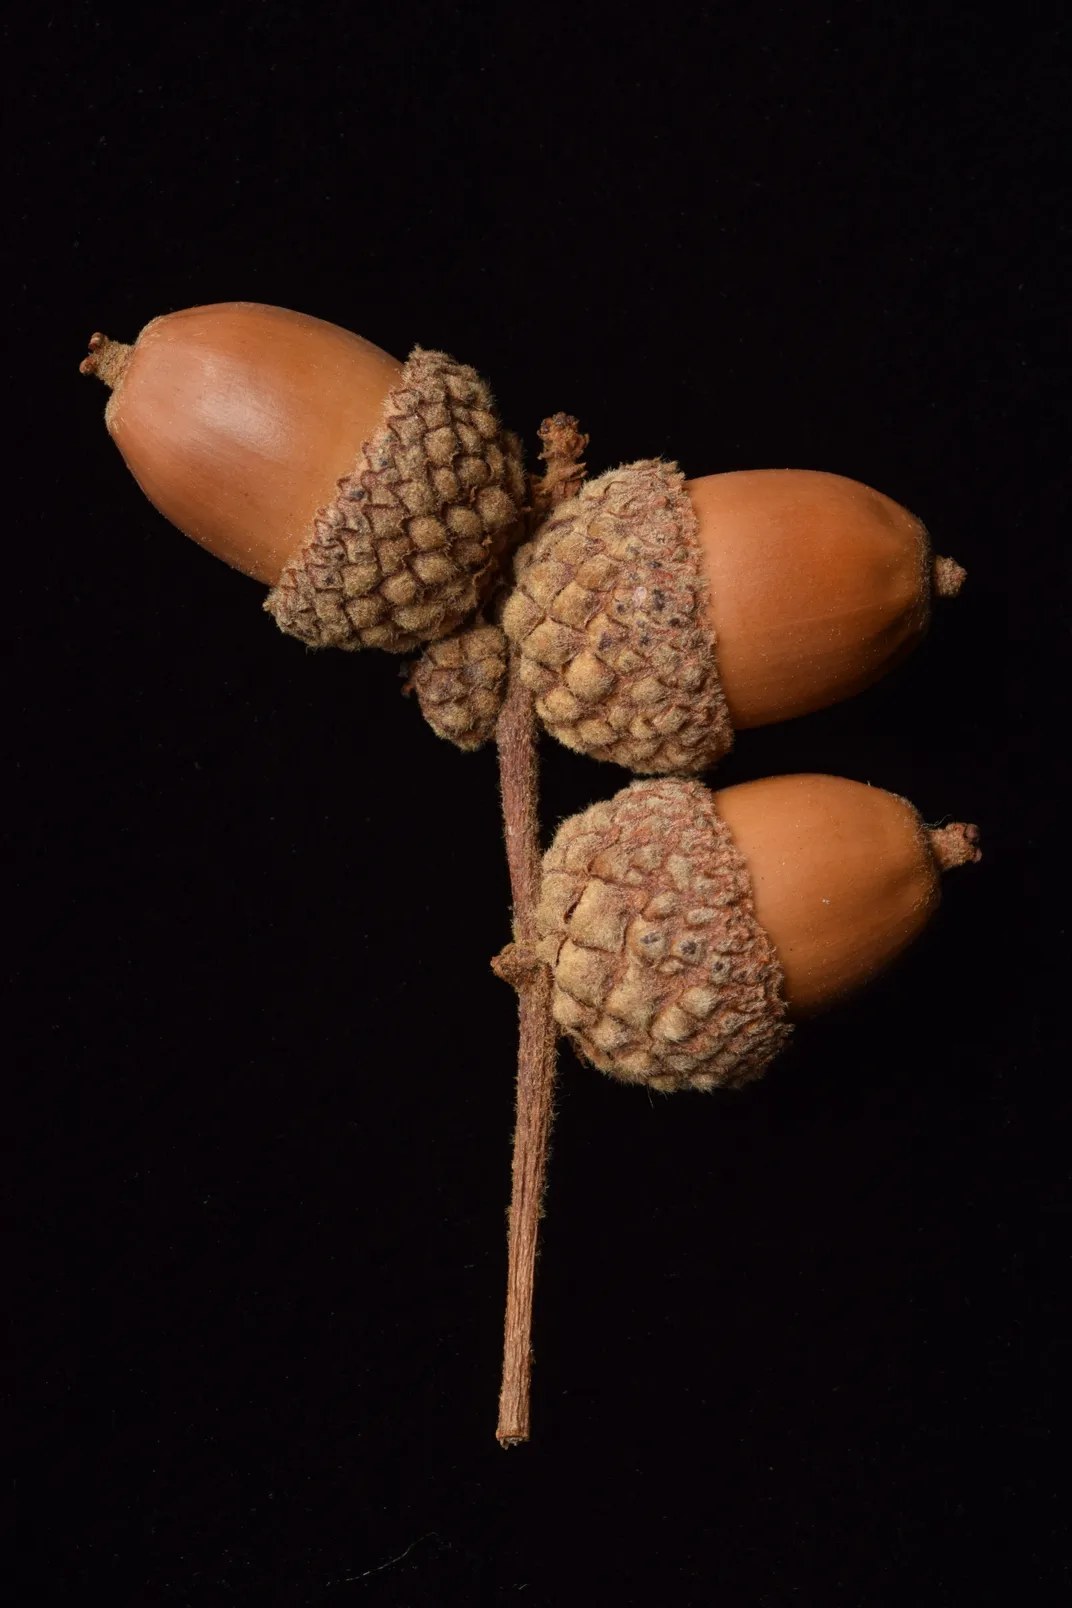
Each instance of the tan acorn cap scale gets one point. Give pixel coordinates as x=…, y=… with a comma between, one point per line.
x=376, y=498
x=685, y=928
x=656, y=615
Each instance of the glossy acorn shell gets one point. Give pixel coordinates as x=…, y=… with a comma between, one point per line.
x=237, y=420
x=817, y=586
x=843, y=878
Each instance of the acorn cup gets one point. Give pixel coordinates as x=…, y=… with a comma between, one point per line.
x=460, y=682
x=686, y=928
x=654, y=615
x=376, y=498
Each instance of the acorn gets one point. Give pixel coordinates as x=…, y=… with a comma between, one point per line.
x=656, y=615
x=686, y=929
x=376, y=498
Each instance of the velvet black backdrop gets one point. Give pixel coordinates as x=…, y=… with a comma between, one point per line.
x=800, y=1345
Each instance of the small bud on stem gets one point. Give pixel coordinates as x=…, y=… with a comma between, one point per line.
x=563, y=445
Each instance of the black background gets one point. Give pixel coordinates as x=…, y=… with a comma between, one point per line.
x=801, y=1345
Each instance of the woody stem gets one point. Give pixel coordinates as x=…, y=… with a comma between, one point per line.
x=519, y=782
x=518, y=773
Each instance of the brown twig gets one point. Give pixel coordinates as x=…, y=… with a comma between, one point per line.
x=536, y=1051
x=518, y=965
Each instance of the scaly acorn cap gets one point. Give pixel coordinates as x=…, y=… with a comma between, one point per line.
x=460, y=682
x=609, y=617
x=413, y=540
x=662, y=974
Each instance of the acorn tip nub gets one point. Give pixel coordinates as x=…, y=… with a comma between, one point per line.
x=949, y=577
x=955, y=844
x=107, y=359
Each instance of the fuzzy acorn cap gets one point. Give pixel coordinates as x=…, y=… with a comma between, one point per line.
x=460, y=682
x=413, y=539
x=609, y=615
x=662, y=974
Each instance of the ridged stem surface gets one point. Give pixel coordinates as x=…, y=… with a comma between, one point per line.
x=518, y=771
x=517, y=965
